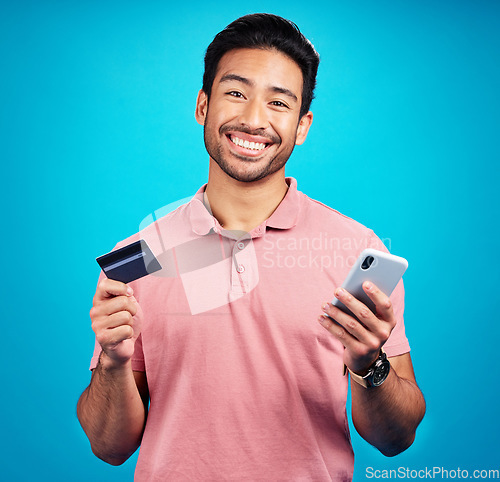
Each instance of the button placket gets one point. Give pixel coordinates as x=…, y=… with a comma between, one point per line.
x=238, y=271
x=241, y=265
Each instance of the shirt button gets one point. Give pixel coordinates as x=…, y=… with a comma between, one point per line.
x=240, y=268
x=240, y=245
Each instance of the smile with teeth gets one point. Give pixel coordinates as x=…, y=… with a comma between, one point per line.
x=255, y=146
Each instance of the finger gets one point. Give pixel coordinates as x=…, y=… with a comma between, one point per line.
x=108, y=288
x=360, y=310
x=357, y=356
x=381, y=300
x=121, y=318
x=339, y=332
x=350, y=324
x=112, y=337
x=106, y=322
x=120, y=303
x=111, y=306
x=378, y=326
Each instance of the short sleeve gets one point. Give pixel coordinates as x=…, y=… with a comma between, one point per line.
x=397, y=344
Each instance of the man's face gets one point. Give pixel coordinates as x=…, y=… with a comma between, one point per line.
x=251, y=123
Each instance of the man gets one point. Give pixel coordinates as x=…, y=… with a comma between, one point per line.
x=217, y=366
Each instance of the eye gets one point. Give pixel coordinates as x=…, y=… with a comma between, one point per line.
x=235, y=93
x=278, y=103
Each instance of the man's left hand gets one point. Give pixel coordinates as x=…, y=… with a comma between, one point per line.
x=363, y=336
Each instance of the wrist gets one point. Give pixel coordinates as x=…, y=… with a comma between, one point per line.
x=110, y=364
x=375, y=374
x=364, y=371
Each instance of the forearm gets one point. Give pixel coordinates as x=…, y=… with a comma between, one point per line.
x=387, y=416
x=112, y=412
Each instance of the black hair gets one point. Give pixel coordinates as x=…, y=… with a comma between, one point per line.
x=265, y=31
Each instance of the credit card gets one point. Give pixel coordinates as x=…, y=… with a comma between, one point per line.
x=129, y=263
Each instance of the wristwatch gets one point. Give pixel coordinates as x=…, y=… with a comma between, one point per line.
x=377, y=373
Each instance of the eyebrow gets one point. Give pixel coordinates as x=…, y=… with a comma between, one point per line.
x=250, y=83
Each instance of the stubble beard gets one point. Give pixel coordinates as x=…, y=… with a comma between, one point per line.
x=214, y=149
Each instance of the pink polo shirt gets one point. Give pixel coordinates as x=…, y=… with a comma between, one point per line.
x=244, y=382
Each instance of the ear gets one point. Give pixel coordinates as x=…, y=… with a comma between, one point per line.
x=201, y=107
x=303, y=128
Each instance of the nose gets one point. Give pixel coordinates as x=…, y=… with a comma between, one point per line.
x=254, y=115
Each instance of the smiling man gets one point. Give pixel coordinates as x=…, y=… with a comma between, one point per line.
x=217, y=366
x=254, y=119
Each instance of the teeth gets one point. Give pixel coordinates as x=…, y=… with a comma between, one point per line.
x=256, y=146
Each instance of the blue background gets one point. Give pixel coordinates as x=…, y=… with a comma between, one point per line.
x=97, y=131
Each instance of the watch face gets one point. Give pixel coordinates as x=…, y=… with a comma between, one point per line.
x=381, y=373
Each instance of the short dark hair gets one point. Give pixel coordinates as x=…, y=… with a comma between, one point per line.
x=265, y=31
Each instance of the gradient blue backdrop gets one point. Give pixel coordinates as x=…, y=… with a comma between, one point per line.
x=97, y=131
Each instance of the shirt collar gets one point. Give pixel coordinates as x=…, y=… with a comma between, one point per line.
x=202, y=221
x=285, y=216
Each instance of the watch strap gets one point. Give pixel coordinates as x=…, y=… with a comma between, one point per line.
x=362, y=380
x=358, y=379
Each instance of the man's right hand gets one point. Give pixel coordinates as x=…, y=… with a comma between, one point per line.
x=112, y=321
x=113, y=408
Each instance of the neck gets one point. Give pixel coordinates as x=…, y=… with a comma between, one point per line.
x=242, y=206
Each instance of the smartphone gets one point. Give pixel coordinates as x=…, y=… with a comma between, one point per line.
x=382, y=269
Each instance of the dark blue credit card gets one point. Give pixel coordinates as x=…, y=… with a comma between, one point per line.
x=129, y=263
